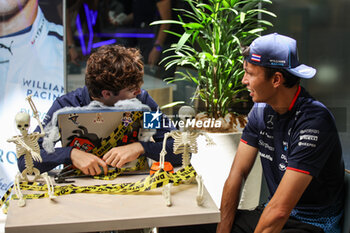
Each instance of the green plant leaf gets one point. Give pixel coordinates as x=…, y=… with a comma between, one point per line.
x=193, y=26
x=215, y=31
x=173, y=33
x=183, y=40
x=166, y=22
x=233, y=2
x=172, y=104
x=195, y=9
x=242, y=17
x=233, y=10
x=250, y=5
x=205, y=6
x=256, y=30
x=265, y=22
x=263, y=11
x=226, y=4
x=203, y=44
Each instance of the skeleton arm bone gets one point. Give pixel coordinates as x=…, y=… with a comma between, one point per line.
x=20, y=142
x=163, y=151
x=42, y=132
x=209, y=141
x=36, y=115
x=13, y=139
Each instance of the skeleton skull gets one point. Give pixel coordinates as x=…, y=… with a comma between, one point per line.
x=23, y=122
x=186, y=112
x=145, y=135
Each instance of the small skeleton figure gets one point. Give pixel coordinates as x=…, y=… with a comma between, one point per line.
x=27, y=146
x=185, y=140
x=185, y=143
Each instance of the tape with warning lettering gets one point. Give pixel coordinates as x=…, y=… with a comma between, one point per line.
x=141, y=164
x=157, y=180
x=116, y=136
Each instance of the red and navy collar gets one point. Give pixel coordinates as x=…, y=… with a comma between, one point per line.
x=295, y=98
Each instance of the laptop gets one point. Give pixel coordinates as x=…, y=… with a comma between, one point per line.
x=98, y=131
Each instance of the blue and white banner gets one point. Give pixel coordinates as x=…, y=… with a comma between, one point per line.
x=31, y=62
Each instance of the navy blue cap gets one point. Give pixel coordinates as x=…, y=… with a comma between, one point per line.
x=278, y=51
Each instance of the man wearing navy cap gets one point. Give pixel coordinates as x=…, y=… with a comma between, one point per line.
x=299, y=147
x=298, y=142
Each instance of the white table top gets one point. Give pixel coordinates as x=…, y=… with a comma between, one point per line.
x=102, y=212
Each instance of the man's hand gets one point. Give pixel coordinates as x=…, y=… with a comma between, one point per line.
x=88, y=163
x=287, y=195
x=118, y=156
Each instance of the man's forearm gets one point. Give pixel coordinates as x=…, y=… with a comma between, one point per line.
x=49, y=161
x=272, y=220
x=152, y=150
x=287, y=195
x=229, y=203
x=243, y=162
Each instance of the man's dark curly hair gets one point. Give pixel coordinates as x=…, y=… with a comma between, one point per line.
x=113, y=68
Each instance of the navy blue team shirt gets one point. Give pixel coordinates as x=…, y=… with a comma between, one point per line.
x=79, y=98
x=303, y=139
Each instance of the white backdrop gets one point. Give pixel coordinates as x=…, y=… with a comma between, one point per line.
x=31, y=62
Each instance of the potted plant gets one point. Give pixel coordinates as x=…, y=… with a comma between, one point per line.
x=214, y=32
x=211, y=44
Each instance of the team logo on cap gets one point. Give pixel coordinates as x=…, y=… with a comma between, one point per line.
x=255, y=57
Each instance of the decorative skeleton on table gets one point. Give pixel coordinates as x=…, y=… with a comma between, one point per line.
x=27, y=146
x=185, y=143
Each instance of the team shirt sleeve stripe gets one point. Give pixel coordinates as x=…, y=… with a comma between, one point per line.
x=298, y=170
x=244, y=141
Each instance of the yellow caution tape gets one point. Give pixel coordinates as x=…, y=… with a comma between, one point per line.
x=5, y=200
x=141, y=164
x=112, y=141
x=157, y=180
x=117, y=135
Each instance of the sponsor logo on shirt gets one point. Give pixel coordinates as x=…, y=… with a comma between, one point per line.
x=282, y=166
x=266, y=156
x=284, y=157
x=308, y=137
x=266, y=145
x=264, y=133
x=7, y=47
x=269, y=123
x=315, y=131
x=38, y=32
x=306, y=144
